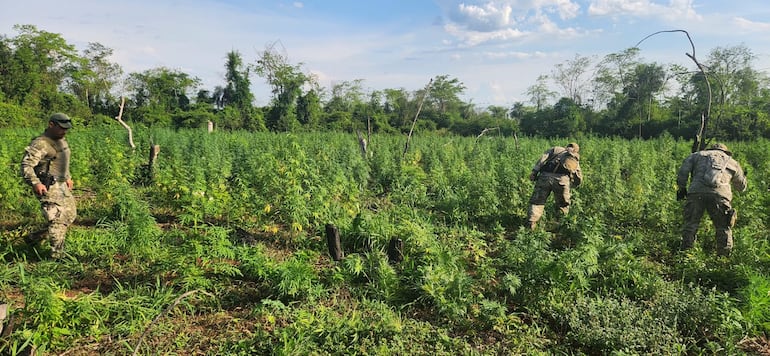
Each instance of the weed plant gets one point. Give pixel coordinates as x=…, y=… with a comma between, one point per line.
x=240, y=217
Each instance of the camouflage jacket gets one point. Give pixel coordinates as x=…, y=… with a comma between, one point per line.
x=711, y=171
x=39, y=152
x=576, y=177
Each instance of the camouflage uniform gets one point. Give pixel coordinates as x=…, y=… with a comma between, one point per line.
x=58, y=203
x=557, y=180
x=713, y=173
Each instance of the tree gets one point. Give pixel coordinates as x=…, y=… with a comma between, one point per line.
x=159, y=92
x=634, y=106
x=398, y=107
x=498, y=112
x=309, y=109
x=35, y=64
x=569, y=76
x=567, y=119
x=613, y=74
x=345, y=96
x=445, y=94
x=735, y=85
x=286, y=82
x=94, y=78
x=237, y=93
x=539, y=94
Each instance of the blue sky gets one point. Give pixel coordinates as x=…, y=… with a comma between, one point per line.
x=497, y=49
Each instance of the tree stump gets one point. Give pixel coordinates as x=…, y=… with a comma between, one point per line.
x=333, y=240
x=396, y=250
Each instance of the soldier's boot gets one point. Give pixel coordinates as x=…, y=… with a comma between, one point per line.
x=534, y=213
x=688, y=241
x=57, y=251
x=724, y=242
x=56, y=234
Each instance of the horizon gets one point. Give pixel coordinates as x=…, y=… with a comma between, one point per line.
x=497, y=49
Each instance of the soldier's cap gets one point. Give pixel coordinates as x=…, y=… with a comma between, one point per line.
x=722, y=147
x=575, y=147
x=62, y=120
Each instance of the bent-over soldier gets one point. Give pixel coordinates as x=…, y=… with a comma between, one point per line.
x=557, y=171
x=712, y=174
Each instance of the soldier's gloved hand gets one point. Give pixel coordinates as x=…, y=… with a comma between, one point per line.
x=533, y=176
x=681, y=194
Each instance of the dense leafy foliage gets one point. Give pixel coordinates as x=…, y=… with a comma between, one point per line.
x=237, y=221
x=628, y=96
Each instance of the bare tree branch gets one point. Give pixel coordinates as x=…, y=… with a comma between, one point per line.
x=484, y=131
x=699, y=142
x=120, y=120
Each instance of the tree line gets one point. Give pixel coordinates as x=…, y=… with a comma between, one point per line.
x=619, y=95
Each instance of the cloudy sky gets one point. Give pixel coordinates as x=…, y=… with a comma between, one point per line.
x=497, y=49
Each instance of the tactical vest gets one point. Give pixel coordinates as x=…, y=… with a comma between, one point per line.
x=564, y=162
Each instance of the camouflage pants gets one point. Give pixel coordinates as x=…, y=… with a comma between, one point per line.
x=59, y=210
x=545, y=184
x=722, y=216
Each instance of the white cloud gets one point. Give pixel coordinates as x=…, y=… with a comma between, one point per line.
x=675, y=10
x=474, y=38
x=489, y=17
x=565, y=8
x=506, y=20
x=511, y=55
x=751, y=26
x=495, y=47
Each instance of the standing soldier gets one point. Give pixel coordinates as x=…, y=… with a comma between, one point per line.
x=46, y=168
x=557, y=170
x=711, y=172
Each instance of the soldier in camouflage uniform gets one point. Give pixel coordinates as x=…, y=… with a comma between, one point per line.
x=712, y=173
x=46, y=167
x=557, y=170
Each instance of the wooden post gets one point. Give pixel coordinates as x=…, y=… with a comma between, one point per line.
x=150, y=172
x=154, y=151
x=396, y=250
x=361, y=143
x=516, y=140
x=333, y=240
x=3, y=314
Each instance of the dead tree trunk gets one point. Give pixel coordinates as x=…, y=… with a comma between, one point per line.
x=419, y=108
x=362, y=143
x=119, y=118
x=516, y=140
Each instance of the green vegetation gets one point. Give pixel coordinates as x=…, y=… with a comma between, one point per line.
x=619, y=95
x=222, y=250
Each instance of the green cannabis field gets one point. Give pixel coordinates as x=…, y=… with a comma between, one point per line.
x=220, y=248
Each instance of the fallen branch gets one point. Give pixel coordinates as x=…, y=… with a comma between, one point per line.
x=484, y=131
x=168, y=308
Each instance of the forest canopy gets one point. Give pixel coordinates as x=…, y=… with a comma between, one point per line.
x=619, y=95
